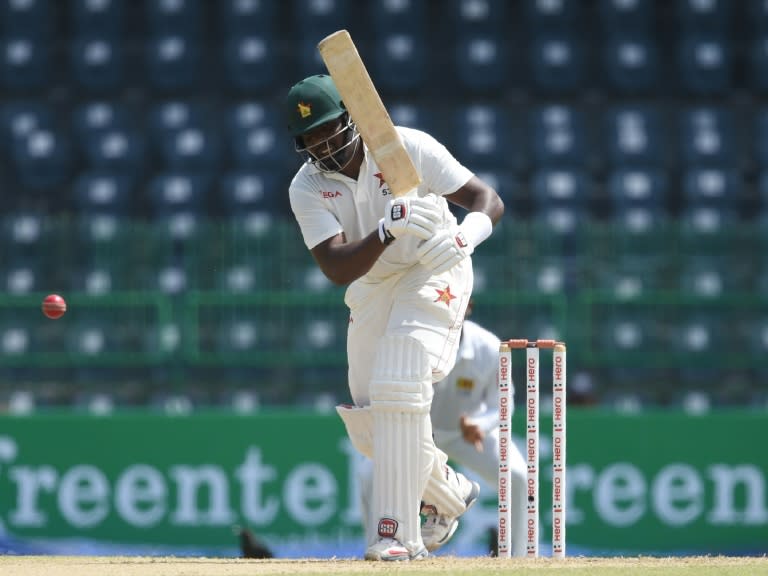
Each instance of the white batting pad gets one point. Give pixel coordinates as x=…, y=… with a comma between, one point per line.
x=359, y=424
x=445, y=489
x=403, y=450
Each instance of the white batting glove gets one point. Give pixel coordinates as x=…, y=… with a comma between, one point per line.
x=410, y=215
x=444, y=250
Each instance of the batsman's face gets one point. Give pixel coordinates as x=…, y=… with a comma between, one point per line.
x=329, y=146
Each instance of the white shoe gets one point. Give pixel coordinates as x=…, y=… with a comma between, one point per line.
x=437, y=529
x=389, y=549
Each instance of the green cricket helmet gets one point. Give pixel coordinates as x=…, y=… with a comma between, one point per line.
x=312, y=102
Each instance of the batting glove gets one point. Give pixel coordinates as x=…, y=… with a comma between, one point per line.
x=410, y=215
x=444, y=250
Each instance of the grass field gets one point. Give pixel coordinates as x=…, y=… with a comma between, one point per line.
x=442, y=566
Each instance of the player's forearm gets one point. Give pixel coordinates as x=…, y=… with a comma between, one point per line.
x=343, y=263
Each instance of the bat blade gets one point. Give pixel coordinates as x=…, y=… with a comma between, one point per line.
x=368, y=112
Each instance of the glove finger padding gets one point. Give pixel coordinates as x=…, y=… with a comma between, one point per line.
x=422, y=223
x=411, y=215
x=444, y=251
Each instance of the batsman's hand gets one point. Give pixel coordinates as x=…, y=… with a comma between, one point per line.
x=444, y=250
x=410, y=215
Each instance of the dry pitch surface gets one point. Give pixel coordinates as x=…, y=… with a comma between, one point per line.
x=439, y=566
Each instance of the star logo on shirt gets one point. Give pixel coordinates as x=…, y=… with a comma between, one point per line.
x=380, y=176
x=444, y=295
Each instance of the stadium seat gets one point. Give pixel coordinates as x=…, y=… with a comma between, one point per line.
x=97, y=115
x=634, y=136
x=399, y=62
x=259, y=147
x=183, y=17
x=32, y=17
x=557, y=63
x=559, y=188
x=249, y=62
x=97, y=62
x=19, y=119
x=42, y=158
x=482, y=63
x=705, y=64
x=104, y=192
x=173, y=62
x=716, y=187
x=102, y=16
x=706, y=136
x=709, y=16
x=483, y=137
x=558, y=135
x=551, y=14
x=114, y=149
x=412, y=115
x=177, y=114
x=707, y=277
x=637, y=187
x=247, y=16
x=627, y=16
x=478, y=16
x=631, y=64
x=318, y=18
x=401, y=15
x=24, y=63
x=191, y=148
x=244, y=192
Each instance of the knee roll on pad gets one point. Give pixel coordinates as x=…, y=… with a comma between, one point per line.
x=359, y=424
x=402, y=376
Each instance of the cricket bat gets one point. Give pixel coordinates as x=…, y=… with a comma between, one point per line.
x=368, y=112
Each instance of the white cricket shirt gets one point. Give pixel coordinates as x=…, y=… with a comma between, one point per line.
x=326, y=204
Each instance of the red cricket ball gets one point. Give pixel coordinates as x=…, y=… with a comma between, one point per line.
x=54, y=306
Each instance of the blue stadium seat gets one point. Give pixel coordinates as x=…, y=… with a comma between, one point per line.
x=637, y=187
x=558, y=136
x=483, y=137
x=23, y=278
x=713, y=187
x=101, y=191
x=19, y=119
x=96, y=116
x=559, y=188
x=250, y=62
x=244, y=192
x=115, y=149
x=97, y=62
x=707, y=277
x=183, y=17
x=24, y=63
x=99, y=229
x=479, y=16
x=309, y=60
x=97, y=280
x=177, y=191
x=634, y=136
x=173, y=62
x=705, y=64
x=247, y=16
x=32, y=17
x=481, y=61
x=318, y=18
x=709, y=16
x=400, y=15
x=168, y=279
x=627, y=16
x=707, y=136
x=190, y=148
x=557, y=63
x=42, y=159
x=551, y=15
x=399, y=62
x=97, y=16
x=631, y=64
x=412, y=115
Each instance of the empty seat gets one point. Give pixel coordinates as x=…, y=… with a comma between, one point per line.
x=558, y=136
x=559, y=188
x=634, y=136
x=98, y=115
x=244, y=192
x=175, y=17
x=705, y=64
x=241, y=16
x=707, y=277
x=706, y=136
x=483, y=137
x=103, y=192
x=97, y=62
x=173, y=61
x=190, y=148
x=627, y=16
x=400, y=15
x=412, y=115
x=178, y=191
x=713, y=187
x=318, y=18
x=631, y=64
x=32, y=17
x=99, y=16
x=115, y=149
x=638, y=203
x=711, y=16
x=557, y=63
x=551, y=14
x=399, y=61
x=24, y=63
x=249, y=61
x=42, y=158
x=481, y=61
x=19, y=119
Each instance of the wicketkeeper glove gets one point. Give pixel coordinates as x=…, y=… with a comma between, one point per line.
x=410, y=215
x=450, y=246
